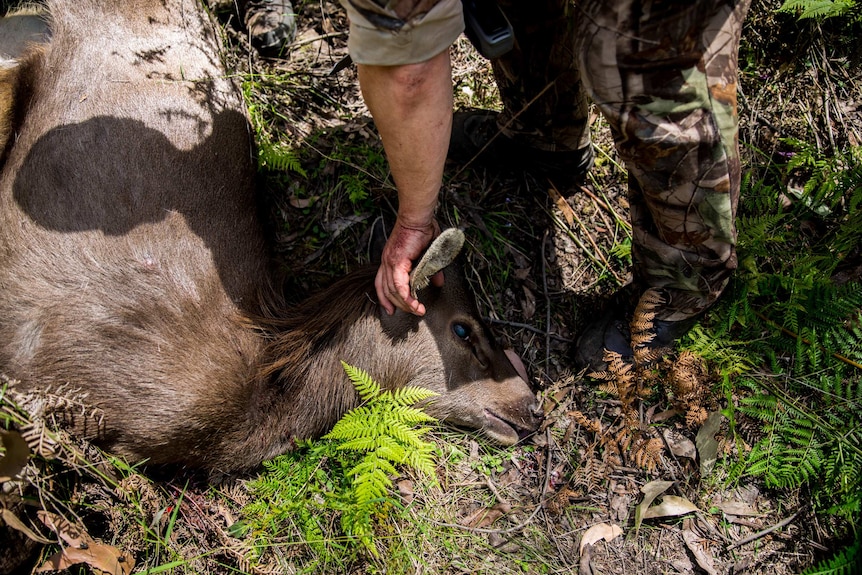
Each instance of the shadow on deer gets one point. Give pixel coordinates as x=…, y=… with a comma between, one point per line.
x=136, y=292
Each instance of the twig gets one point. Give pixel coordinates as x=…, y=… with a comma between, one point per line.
x=539, y=506
x=528, y=327
x=496, y=493
x=765, y=532
x=590, y=237
x=303, y=42
x=789, y=333
x=547, y=301
x=577, y=240
x=601, y=202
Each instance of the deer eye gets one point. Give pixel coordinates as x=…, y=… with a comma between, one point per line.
x=461, y=330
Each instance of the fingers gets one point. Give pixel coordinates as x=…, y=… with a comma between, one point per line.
x=393, y=291
x=392, y=283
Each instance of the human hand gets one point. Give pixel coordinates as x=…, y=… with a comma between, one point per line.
x=405, y=244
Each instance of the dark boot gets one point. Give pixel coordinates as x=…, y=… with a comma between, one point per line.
x=271, y=24
x=613, y=332
x=477, y=139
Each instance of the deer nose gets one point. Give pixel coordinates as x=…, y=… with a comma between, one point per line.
x=537, y=412
x=537, y=415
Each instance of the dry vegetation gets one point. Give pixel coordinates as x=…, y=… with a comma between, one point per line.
x=542, y=263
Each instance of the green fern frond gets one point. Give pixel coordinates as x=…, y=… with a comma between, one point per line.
x=278, y=157
x=422, y=460
x=384, y=430
x=359, y=444
x=846, y=562
x=355, y=185
x=763, y=407
x=365, y=385
x=349, y=471
x=410, y=395
x=359, y=422
x=413, y=416
x=805, y=9
x=729, y=356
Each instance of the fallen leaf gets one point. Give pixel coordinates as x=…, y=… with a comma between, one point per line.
x=522, y=273
x=651, y=490
x=16, y=456
x=405, y=489
x=528, y=304
x=693, y=542
x=82, y=549
x=485, y=517
x=103, y=559
x=663, y=416
x=563, y=206
x=11, y=520
x=670, y=506
x=680, y=445
x=338, y=225
x=598, y=532
x=707, y=445
x=301, y=203
x=69, y=532
x=517, y=363
x=738, y=508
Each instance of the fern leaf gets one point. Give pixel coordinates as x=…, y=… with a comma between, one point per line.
x=411, y=394
x=371, y=485
x=277, y=157
x=422, y=460
x=846, y=562
x=365, y=385
x=405, y=435
x=412, y=416
x=359, y=422
x=359, y=444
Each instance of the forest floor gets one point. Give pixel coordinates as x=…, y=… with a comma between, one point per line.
x=544, y=260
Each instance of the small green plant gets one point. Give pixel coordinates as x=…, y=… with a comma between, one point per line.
x=845, y=562
x=272, y=153
x=787, y=339
x=805, y=9
x=383, y=432
x=345, y=474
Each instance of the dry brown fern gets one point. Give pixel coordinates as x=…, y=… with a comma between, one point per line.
x=593, y=425
x=590, y=474
x=684, y=378
x=644, y=356
x=689, y=384
x=646, y=453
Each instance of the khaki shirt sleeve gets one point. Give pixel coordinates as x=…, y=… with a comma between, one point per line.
x=401, y=32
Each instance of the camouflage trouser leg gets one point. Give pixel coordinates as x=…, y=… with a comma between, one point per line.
x=544, y=104
x=664, y=75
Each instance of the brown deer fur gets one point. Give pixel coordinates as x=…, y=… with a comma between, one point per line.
x=133, y=264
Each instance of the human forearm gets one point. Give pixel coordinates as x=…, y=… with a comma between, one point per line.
x=412, y=109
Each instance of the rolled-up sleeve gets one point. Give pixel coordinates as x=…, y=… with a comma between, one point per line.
x=401, y=31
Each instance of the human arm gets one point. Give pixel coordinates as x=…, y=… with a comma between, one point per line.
x=412, y=108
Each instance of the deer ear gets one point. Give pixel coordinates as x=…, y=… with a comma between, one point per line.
x=439, y=254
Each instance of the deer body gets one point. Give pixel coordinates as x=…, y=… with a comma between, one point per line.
x=134, y=269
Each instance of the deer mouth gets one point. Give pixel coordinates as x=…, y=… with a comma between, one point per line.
x=502, y=430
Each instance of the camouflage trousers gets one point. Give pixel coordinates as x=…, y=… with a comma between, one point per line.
x=663, y=73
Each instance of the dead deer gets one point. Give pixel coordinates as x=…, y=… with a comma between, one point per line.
x=135, y=285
